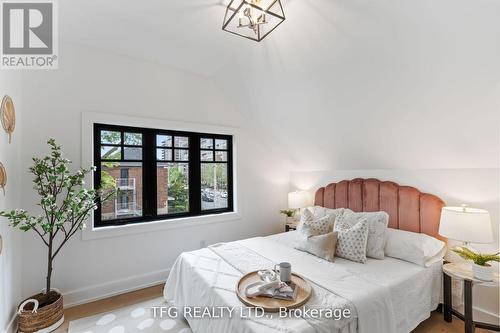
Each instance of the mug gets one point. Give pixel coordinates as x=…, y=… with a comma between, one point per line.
x=285, y=270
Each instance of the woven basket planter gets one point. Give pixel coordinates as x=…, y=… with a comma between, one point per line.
x=45, y=316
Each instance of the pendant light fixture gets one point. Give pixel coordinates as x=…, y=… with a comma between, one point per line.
x=253, y=19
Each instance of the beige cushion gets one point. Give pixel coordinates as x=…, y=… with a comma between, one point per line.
x=321, y=225
x=320, y=245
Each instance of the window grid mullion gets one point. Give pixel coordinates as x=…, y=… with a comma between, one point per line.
x=194, y=175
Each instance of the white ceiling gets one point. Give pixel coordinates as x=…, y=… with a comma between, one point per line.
x=186, y=34
x=364, y=83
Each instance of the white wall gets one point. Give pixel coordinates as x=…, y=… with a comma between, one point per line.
x=476, y=187
x=10, y=257
x=90, y=80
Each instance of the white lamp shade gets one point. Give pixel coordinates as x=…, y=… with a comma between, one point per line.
x=298, y=199
x=466, y=224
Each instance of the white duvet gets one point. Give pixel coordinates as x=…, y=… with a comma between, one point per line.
x=383, y=295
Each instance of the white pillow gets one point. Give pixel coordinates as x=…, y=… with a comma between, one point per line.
x=320, y=245
x=420, y=249
x=351, y=243
x=319, y=211
x=377, y=226
x=322, y=225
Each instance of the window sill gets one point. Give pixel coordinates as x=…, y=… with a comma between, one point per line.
x=132, y=229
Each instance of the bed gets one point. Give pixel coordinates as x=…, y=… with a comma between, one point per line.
x=388, y=295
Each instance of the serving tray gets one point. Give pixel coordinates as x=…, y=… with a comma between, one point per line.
x=273, y=304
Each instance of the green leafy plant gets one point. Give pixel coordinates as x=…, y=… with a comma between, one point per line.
x=288, y=212
x=478, y=258
x=65, y=204
x=178, y=190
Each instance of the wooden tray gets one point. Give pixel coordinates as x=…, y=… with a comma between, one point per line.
x=272, y=304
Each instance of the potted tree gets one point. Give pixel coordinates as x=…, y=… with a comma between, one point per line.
x=480, y=267
x=65, y=204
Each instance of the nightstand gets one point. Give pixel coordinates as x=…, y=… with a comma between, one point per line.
x=290, y=226
x=463, y=271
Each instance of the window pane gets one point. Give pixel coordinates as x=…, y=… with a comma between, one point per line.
x=207, y=155
x=182, y=155
x=133, y=139
x=132, y=153
x=206, y=143
x=172, y=188
x=221, y=156
x=111, y=153
x=111, y=137
x=214, y=186
x=164, y=154
x=164, y=141
x=220, y=144
x=127, y=178
x=181, y=142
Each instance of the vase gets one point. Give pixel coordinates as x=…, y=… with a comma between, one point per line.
x=484, y=273
x=41, y=313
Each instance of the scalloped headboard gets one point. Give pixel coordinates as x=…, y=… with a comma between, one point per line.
x=408, y=208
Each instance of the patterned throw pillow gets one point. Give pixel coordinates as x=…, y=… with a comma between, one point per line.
x=377, y=228
x=320, y=211
x=351, y=243
x=320, y=245
x=321, y=225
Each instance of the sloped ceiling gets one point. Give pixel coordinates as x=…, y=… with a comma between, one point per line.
x=185, y=34
x=349, y=84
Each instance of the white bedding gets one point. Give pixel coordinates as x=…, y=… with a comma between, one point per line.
x=202, y=278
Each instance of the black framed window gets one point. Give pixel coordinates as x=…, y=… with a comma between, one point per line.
x=161, y=174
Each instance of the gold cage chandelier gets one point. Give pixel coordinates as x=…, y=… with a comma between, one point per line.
x=253, y=19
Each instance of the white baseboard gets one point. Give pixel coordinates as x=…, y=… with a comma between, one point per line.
x=480, y=314
x=112, y=288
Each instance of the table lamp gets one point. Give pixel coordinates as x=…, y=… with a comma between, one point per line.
x=298, y=199
x=469, y=225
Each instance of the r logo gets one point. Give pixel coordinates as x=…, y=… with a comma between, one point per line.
x=27, y=28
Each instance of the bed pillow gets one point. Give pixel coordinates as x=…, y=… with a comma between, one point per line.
x=377, y=226
x=321, y=225
x=420, y=249
x=352, y=240
x=320, y=245
x=320, y=211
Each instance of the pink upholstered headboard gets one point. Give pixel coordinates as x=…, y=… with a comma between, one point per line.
x=408, y=208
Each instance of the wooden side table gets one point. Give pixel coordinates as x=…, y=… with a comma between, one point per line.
x=289, y=226
x=463, y=271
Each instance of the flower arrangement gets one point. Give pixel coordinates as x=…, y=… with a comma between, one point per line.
x=288, y=212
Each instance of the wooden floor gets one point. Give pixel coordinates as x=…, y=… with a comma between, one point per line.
x=434, y=324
